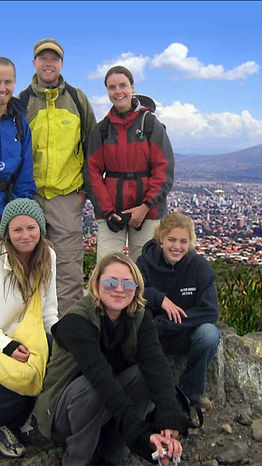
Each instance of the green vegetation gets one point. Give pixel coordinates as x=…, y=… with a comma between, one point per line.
x=239, y=290
x=89, y=261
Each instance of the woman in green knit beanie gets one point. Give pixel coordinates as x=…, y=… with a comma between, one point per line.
x=27, y=267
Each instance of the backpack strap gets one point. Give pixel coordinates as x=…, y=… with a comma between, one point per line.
x=104, y=128
x=147, y=126
x=25, y=95
x=19, y=126
x=186, y=406
x=146, y=129
x=73, y=93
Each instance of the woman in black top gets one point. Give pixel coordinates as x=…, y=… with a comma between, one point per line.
x=180, y=292
x=107, y=370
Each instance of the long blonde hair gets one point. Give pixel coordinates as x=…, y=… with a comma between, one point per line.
x=138, y=301
x=40, y=267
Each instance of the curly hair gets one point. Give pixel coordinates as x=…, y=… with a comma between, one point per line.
x=138, y=301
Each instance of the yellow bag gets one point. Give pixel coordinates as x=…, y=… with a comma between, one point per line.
x=26, y=378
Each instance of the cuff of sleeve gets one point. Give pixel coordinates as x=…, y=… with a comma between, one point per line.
x=169, y=415
x=148, y=204
x=11, y=347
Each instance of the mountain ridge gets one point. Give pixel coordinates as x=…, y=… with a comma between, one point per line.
x=244, y=165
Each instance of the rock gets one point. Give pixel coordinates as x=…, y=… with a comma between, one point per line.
x=233, y=454
x=227, y=428
x=257, y=429
x=243, y=419
x=210, y=463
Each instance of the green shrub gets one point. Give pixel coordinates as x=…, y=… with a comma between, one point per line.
x=89, y=261
x=239, y=290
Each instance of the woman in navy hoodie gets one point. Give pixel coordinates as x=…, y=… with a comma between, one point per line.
x=181, y=294
x=16, y=160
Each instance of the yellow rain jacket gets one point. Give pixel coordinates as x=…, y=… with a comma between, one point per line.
x=56, y=133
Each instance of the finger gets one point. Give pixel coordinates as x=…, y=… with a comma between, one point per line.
x=127, y=211
x=176, y=317
x=181, y=311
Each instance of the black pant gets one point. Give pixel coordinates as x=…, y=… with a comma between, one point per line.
x=14, y=408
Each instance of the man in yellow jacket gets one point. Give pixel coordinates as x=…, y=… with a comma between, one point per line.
x=61, y=119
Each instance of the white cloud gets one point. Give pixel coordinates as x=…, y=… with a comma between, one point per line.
x=191, y=131
x=135, y=63
x=175, y=57
x=101, y=105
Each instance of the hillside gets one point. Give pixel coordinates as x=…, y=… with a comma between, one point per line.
x=241, y=166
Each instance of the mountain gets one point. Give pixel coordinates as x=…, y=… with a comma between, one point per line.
x=242, y=166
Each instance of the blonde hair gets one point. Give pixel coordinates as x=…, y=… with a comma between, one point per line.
x=176, y=220
x=40, y=267
x=138, y=301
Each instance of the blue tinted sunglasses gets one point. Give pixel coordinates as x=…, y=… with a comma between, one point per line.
x=110, y=284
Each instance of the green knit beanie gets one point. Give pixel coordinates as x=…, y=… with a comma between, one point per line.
x=22, y=206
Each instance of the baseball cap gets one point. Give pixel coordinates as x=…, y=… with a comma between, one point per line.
x=45, y=44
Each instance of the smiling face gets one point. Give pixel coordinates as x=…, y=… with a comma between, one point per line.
x=115, y=300
x=24, y=234
x=175, y=244
x=7, y=84
x=120, y=91
x=48, y=65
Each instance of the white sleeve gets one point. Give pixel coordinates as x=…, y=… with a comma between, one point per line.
x=49, y=304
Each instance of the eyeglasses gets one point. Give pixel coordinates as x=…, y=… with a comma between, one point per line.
x=111, y=284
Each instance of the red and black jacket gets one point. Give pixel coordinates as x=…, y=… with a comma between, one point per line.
x=125, y=169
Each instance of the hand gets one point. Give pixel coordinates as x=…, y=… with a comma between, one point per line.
x=21, y=354
x=173, y=311
x=116, y=217
x=82, y=197
x=137, y=215
x=172, y=445
x=168, y=433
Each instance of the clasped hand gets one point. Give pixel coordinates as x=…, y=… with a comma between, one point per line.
x=21, y=354
x=167, y=439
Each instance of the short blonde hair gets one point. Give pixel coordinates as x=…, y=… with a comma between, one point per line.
x=176, y=220
x=138, y=301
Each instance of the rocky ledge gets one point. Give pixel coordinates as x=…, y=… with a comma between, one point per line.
x=232, y=430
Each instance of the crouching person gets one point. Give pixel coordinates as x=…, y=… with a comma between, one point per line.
x=28, y=310
x=106, y=371
x=180, y=291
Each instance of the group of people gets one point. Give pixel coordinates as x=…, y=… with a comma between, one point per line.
x=92, y=369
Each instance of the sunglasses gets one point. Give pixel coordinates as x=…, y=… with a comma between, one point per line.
x=111, y=284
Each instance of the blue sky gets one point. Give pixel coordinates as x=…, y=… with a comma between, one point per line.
x=200, y=61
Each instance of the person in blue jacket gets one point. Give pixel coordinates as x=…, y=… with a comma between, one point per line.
x=16, y=161
x=181, y=294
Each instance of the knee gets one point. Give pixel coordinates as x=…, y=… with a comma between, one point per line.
x=207, y=335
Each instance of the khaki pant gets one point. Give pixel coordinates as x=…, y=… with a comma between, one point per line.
x=64, y=230
x=109, y=242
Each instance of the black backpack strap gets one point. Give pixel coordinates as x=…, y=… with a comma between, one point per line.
x=104, y=128
x=147, y=125
x=25, y=95
x=186, y=406
x=73, y=93
x=19, y=127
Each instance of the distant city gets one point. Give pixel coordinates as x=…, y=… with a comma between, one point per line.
x=227, y=216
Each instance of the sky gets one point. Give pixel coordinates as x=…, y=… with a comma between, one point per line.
x=199, y=60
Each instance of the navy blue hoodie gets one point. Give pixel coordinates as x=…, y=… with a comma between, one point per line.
x=190, y=284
